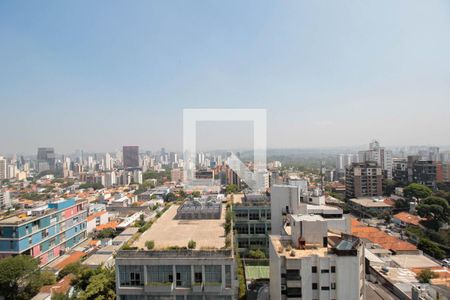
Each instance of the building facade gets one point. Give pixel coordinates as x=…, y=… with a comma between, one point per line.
x=45, y=232
x=252, y=223
x=363, y=180
x=130, y=157
x=310, y=263
x=176, y=275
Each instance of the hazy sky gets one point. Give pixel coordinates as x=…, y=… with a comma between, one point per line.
x=97, y=75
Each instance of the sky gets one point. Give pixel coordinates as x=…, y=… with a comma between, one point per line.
x=96, y=75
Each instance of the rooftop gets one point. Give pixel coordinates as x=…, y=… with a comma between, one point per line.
x=377, y=236
x=408, y=218
x=369, y=202
x=283, y=246
x=168, y=231
x=413, y=261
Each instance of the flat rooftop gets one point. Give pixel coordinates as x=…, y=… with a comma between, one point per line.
x=368, y=202
x=413, y=261
x=283, y=247
x=168, y=231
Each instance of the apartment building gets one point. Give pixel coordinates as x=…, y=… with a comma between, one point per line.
x=44, y=232
x=312, y=263
x=170, y=270
x=291, y=200
x=363, y=179
x=252, y=223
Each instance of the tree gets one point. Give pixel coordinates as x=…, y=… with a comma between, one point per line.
x=231, y=189
x=435, y=209
x=150, y=245
x=416, y=190
x=192, y=244
x=170, y=197
x=401, y=204
x=426, y=275
x=60, y=296
x=196, y=194
x=430, y=248
x=389, y=186
x=257, y=254
x=106, y=233
x=48, y=277
x=101, y=286
x=19, y=277
x=73, y=268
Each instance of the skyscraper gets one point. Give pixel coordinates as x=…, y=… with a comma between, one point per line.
x=46, y=158
x=130, y=157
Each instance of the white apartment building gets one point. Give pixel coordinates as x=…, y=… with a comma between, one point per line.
x=379, y=155
x=291, y=200
x=312, y=263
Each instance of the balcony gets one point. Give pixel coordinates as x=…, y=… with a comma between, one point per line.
x=197, y=287
x=213, y=287
x=159, y=287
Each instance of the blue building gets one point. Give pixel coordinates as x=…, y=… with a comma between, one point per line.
x=44, y=232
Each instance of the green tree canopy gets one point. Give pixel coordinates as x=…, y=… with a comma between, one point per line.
x=258, y=254
x=231, y=189
x=416, y=190
x=20, y=277
x=435, y=209
x=101, y=286
x=426, y=275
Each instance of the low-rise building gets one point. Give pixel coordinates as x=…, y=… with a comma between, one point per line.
x=373, y=207
x=170, y=270
x=45, y=232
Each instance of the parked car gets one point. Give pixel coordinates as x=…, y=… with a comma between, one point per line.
x=446, y=262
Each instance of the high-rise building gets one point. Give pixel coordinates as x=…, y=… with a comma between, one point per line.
x=252, y=223
x=5, y=199
x=46, y=159
x=312, y=263
x=3, y=168
x=379, y=155
x=130, y=157
x=363, y=180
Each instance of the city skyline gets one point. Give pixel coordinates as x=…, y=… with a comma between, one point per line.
x=347, y=75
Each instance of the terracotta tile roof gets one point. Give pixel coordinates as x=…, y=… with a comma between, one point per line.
x=389, y=201
x=74, y=257
x=408, y=218
x=377, y=236
x=112, y=224
x=61, y=286
x=95, y=215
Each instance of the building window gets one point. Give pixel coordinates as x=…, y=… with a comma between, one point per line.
x=160, y=274
x=314, y=269
x=183, y=276
x=213, y=274
x=333, y=269
x=293, y=274
x=228, y=278
x=314, y=286
x=131, y=275
x=294, y=292
x=324, y=271
x=325, y=288
x=333, y=285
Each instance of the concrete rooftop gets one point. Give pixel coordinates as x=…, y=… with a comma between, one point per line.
x=168, y=231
